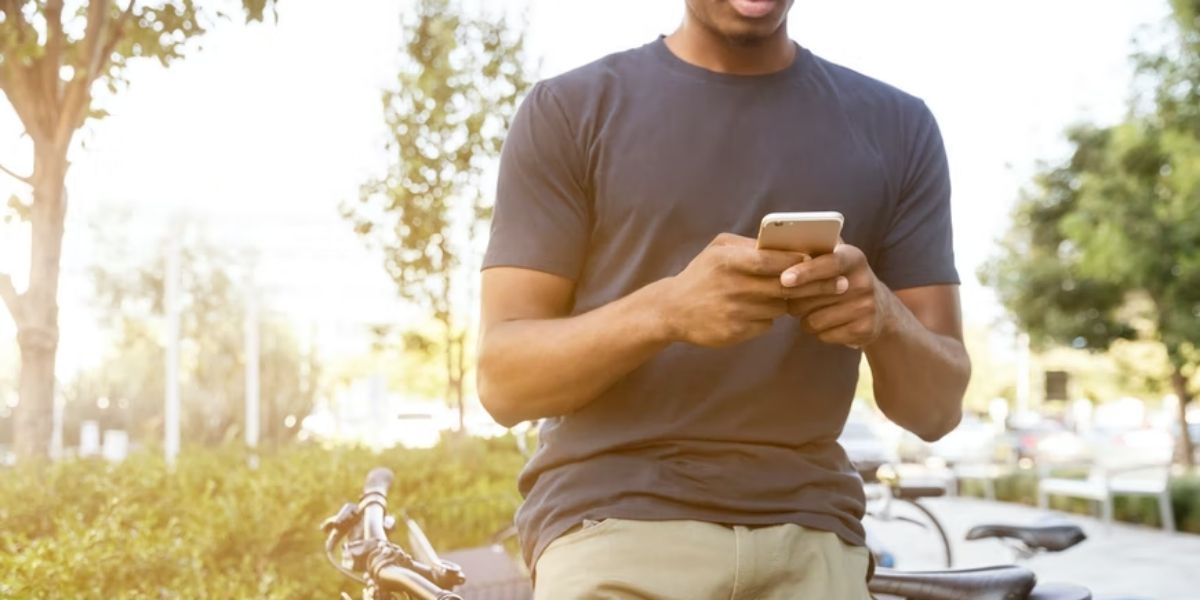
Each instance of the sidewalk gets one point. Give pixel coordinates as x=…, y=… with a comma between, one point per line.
x=1118, y=563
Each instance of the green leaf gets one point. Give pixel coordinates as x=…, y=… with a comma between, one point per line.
x=461, y=77
x=18, y=210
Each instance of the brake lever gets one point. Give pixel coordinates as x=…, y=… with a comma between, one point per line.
x=347, y=517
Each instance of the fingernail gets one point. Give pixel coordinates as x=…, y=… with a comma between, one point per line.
x=842, y=284
x=788, y=278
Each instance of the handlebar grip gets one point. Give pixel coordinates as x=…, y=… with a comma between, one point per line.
x=396, y=578
x=378, y=481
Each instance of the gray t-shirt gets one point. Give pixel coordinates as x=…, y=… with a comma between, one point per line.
x=617, y=174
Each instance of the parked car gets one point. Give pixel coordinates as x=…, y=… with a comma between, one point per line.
x=1024, y=436
x=973, y=441
x=1062, y=447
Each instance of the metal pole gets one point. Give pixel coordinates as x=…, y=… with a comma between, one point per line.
x=172, y=310
x=1024, y=382
x=252, y=360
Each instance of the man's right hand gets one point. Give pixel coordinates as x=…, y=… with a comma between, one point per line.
x=728, y=294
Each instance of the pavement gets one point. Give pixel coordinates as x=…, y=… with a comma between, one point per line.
x=1118, y=562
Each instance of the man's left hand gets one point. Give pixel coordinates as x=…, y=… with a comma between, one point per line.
x=838, y=299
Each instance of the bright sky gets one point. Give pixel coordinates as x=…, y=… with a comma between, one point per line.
x=265, y=131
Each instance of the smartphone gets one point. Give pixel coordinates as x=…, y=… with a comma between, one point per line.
x=813, y=233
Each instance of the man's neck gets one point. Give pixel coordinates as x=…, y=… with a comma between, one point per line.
x=694, y=43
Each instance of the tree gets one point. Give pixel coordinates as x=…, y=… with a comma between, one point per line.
x=459, y=84
x=8, y=393
x=51, y=57
x=1106, y=245
x=130, y=294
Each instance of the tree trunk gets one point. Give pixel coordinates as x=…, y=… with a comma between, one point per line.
x=453, y=374
x=37, y=321
x=453, y=378
x=1179, y=382
x=460, y=376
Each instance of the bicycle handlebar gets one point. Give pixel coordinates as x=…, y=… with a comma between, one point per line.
x=416, y=579
x=379, y=480
x=375, y=503
x=395, y=577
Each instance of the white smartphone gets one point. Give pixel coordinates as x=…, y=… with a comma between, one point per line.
x=813, y=233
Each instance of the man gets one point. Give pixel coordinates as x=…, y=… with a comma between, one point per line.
x=694, y=387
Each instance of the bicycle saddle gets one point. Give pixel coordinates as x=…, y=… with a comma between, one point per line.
x=1053, y=537
x=912, y=492
x=988, y=583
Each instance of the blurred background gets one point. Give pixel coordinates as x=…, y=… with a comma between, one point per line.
x=262, y=224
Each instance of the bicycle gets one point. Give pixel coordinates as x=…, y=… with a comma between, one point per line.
x=388, y=572
x=892, y=500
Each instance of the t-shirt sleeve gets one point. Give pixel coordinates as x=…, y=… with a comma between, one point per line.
x=918, y=248
x=542, y=217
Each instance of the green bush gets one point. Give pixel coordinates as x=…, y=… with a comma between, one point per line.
x=215, y=528
x=1021, y=487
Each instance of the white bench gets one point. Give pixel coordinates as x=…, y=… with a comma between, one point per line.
x=1105, y=481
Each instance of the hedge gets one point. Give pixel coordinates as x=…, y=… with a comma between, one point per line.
x=216, y=528
x=1021, y=487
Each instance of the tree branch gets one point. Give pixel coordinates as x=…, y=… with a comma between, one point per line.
x=12, y=13
x=76, y=98
x=98, y=59
x=52, y=60
x=114, y=37
x=21, y=178
x=14, y=77
x=99, y=50
x=11, y=298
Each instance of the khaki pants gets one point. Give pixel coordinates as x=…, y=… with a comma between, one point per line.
x=691, y=560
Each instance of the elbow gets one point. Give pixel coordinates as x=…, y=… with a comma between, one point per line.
x=943, y=423
x=491, y=396
x=945, y=418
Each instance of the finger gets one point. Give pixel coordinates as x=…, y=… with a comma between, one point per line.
x=801, y=307
x=832, y=317
x=733, y=239
x=762, y=310
x=853, y=334
x=826, y=266
x=825, y=287
x=759, y=287
x=841, y=261
x=771, y=263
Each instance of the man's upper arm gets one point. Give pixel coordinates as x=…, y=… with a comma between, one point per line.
x=542, y=218
x=513, y=294
x=937, y=307
x=917, y=249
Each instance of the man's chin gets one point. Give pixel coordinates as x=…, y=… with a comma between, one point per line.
x=747, y=37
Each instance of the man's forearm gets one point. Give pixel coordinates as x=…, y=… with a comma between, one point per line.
x=920, y=376
x=535, y=368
